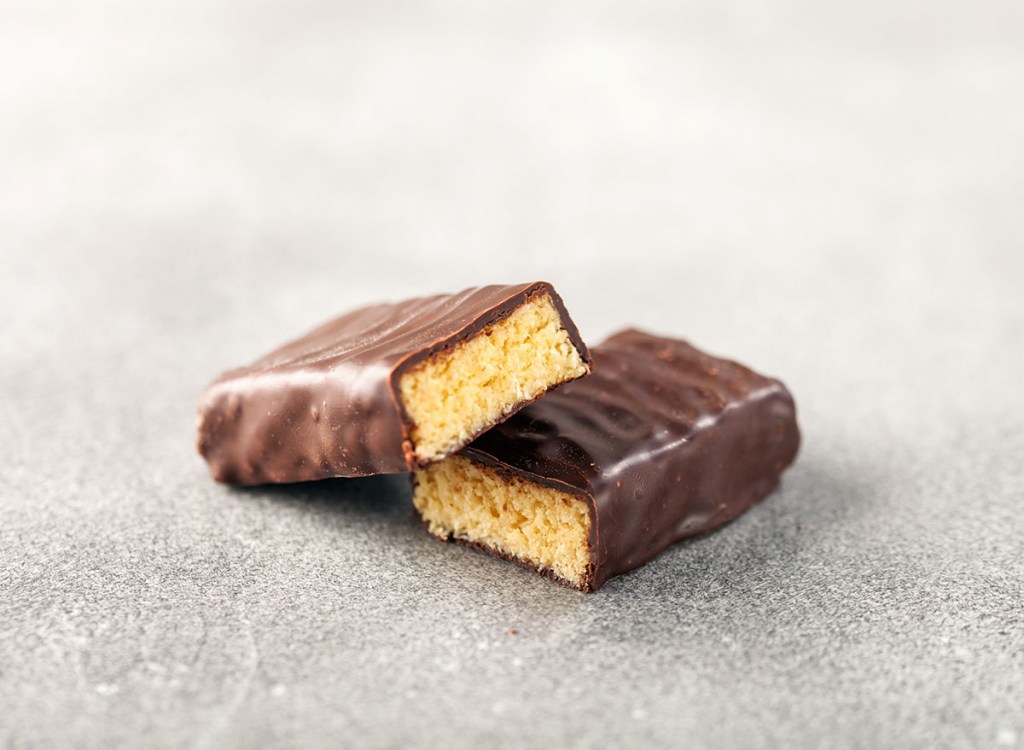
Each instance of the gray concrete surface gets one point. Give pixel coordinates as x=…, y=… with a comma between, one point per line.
x=829, y=191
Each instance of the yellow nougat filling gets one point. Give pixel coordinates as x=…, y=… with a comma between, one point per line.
x=460, y=498
x=454, y=395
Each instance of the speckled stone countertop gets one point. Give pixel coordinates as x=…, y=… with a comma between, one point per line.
x=830, y=193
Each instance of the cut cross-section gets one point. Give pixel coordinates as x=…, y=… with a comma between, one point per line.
x=462, y=389
x=541, y=527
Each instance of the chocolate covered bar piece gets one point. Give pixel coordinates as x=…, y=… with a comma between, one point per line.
x=661, y=442
x=390, y=387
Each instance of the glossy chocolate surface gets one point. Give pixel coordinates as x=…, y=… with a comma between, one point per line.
x=327, y=404
x=662, y=440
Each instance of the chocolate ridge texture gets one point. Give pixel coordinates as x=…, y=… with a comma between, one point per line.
x=330, y=404
x=661, y=442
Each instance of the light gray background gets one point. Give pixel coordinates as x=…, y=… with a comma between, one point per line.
x=830, y=191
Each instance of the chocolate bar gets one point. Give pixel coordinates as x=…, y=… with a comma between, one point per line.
x=391, y=387
x=660, y=443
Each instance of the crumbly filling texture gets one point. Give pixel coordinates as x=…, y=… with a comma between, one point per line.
x=454, y=395
x=459, y=498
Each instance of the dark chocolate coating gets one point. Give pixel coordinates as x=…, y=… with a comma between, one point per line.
x=662, y=440
x=327, y=404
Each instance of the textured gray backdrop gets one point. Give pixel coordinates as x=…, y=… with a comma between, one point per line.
x=829, y=191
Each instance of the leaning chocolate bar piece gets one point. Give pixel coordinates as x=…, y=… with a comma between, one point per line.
x=387, y=388
x=662, y=442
